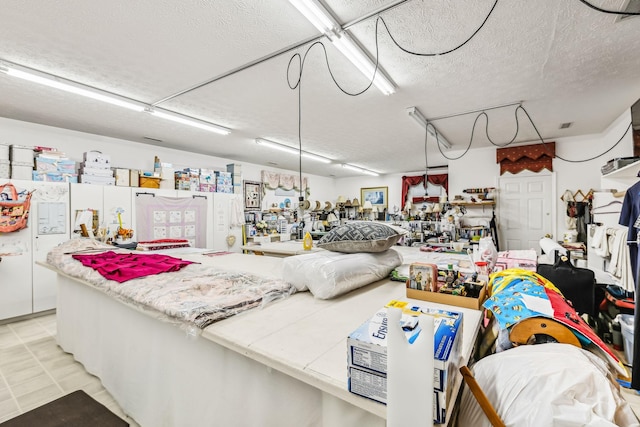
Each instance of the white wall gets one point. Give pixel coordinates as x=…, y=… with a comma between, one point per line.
x=587, y=175
x=134, y=155
x=478, y=169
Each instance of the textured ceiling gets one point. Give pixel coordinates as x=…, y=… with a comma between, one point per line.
x=565, y=62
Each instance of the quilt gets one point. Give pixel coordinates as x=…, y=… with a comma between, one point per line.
x=196, y=295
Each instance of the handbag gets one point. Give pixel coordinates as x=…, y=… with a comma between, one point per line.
x=14, y=212
x=578, y=285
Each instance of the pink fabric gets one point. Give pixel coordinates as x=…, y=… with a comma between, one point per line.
x=123, y=267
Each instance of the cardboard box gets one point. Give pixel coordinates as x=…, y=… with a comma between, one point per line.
x=456, y=300
x=367, y=353
x=122, y=176
x=134, y=178
x=149, y=182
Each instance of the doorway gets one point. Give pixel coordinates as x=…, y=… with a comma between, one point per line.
x=526, y=209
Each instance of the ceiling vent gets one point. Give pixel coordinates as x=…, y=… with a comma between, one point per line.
x=566, y=125
x=631, y=6
x=148, y=138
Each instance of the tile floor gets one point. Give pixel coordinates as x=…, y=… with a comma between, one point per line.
x=34, y=370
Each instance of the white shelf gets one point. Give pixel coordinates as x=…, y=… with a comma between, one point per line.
x=629, y=171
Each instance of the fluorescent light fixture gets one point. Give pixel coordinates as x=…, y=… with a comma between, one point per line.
x=291, y=150
x=317, y=15
x=178, y=118
x=358, y=169
x=345, y=44
x=416, y=115
x=327, y=25
x=69, y=86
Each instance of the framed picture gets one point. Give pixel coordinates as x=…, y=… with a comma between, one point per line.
x=378, y=196
x=252, y=195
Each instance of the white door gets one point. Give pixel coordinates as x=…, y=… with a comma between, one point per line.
x=525, y=214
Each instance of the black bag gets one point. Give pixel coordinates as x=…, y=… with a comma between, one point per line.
x=578, y=285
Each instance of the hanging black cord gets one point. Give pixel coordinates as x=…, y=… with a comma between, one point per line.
x=444, y=52
x=520, y=107
x=612, y=12
x=569, y=160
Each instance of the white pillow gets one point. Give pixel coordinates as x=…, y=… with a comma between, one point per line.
x=330, y=274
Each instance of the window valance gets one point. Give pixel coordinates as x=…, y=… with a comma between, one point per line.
x=274, y=180
x=531, y=157
x=409, y=181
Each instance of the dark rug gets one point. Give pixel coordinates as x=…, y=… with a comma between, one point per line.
x=76, y=409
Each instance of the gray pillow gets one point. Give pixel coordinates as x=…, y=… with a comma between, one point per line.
x=365, y=236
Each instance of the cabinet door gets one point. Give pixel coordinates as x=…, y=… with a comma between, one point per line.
x=117, y=199
x=16, y=271
x=86, y=196
x=49, y=227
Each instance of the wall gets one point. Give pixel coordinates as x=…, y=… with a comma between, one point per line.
x=477, y=170
x=134, y=155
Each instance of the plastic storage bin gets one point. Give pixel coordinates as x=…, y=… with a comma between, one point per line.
x=626, y=324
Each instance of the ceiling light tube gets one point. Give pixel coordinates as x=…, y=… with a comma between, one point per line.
x=320, y=17
x=358, y=169
x=416, y=115
x=345, y=44
x=316, y=14
x=69, y=86
x=190, y=121
x=291, y=150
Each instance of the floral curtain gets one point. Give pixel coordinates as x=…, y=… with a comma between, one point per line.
x=531, y=157
x=409, y=181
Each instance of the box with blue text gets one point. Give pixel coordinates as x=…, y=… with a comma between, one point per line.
x=367, y=352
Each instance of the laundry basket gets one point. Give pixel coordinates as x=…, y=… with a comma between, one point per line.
x=626, y=324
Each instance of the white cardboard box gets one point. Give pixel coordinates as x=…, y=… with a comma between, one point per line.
x=367, y=353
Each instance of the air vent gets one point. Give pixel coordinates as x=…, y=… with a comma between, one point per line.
x=272, y=163
x=152, y=139
x=566, y=125
x=631, y=6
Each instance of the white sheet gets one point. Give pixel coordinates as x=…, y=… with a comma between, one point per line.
x=546, y=385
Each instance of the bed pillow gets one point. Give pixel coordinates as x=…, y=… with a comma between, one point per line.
x=330, y=274
x=365, y=236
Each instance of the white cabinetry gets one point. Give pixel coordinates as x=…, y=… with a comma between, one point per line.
x=107, y=200
x=25, y=287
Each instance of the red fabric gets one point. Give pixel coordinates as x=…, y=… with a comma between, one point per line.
x=123, y=267
x=565, y=314
x=531, y=157
x=408, y=181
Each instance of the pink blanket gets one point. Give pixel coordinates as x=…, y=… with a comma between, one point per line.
x=123, y=267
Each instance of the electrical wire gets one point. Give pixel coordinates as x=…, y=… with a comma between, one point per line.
x=520, y=107
x=612, y=12
x=379, y=19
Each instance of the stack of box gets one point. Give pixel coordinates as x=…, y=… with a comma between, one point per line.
x=235, y=170
x=53, y=166
x=96, y=169
x=367, y=353
x=182, y=180
x=207, y=180
x=21, y=162
x=224, y=183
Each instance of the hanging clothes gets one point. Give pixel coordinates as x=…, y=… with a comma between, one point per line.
x=628, y=216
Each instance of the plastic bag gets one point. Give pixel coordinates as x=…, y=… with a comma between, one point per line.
x=488, y=252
